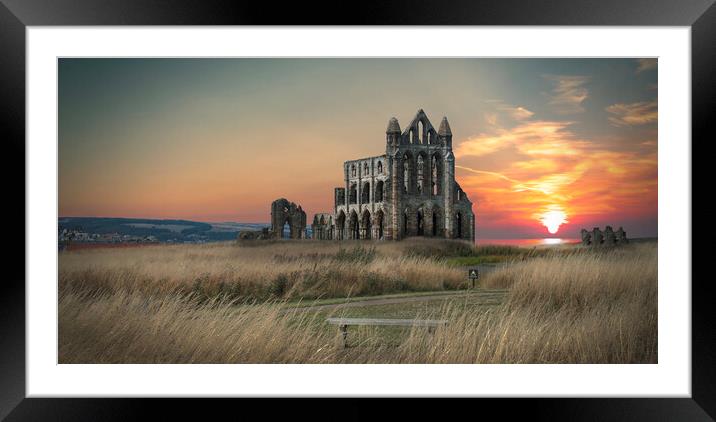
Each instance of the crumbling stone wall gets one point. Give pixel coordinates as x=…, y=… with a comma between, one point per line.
x=323, y=226
x=609, y=237
x=282, y=212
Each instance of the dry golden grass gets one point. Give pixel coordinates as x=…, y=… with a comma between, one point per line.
x=258, y=270
x=595, y=307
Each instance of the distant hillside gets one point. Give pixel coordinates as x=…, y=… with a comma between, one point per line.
x=163, y=230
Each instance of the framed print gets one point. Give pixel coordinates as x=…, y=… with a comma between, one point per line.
x=465, y=206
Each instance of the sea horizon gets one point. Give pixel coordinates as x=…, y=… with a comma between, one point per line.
x=536, y=241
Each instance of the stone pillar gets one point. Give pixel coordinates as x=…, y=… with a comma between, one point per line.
x=347, y=196
x=395, y=232
x=449, y=193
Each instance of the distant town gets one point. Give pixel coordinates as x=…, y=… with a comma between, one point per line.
x=80, y=236
x=89, y=231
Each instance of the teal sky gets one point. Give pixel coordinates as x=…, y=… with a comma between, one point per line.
x=219, y=139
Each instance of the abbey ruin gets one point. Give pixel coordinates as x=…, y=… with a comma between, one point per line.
x=408, y=191
x=288, y=213
x=608, y=237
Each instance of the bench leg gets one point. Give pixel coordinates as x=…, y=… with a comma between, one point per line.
x=344, y=335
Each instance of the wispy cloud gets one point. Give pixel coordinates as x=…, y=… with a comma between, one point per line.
x=568, y=93
x=514, y=112
x=645, y=64
x=534, y=138
x=633, y=114
x=500, y=111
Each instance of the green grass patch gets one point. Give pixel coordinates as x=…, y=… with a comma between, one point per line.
x=305, y=303
x=460, y=261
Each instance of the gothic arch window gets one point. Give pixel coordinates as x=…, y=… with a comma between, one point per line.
x=435, y=175
x=378, y=195
x=421, y=128
x=406, y=173
x=365, y=169
x=458, y=225
x=365, y=193
x=421, y=164
x=379, y=220
x=380, y=167
x=353, y=195
x=436, y=221
x=353, y=170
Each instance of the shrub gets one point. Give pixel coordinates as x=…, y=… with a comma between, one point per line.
x=279, y=286
x=357, y=255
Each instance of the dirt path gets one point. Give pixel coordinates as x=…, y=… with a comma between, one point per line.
x=357, y=302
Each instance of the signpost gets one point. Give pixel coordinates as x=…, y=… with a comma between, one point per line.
x=473, y=275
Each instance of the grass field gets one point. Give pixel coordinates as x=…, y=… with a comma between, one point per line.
x=231, y=303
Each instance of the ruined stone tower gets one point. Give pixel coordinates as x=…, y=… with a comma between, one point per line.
x=408, y=191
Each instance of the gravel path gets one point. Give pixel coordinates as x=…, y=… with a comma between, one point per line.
x=357, y=302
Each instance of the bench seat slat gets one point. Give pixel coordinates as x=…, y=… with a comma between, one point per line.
x=378, y=321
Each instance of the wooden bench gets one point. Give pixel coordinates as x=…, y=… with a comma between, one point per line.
x=344, y=323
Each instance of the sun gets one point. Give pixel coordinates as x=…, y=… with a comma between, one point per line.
x=553, y=219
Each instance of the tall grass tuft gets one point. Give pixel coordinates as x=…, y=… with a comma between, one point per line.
x=262, y=271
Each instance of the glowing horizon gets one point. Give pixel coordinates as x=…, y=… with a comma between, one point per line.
x=542, y=147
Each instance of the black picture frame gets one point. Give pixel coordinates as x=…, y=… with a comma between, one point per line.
x=16, y=15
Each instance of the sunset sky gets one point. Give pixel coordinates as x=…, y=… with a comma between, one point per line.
x=540, y=144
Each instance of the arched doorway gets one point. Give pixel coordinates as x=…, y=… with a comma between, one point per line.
x=365, y=225
x=341, y=225
x=286, y=230
x=379, y=218
x=353, y=226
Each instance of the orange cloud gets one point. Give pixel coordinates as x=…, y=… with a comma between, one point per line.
x=534, y=138
x=555, y=178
